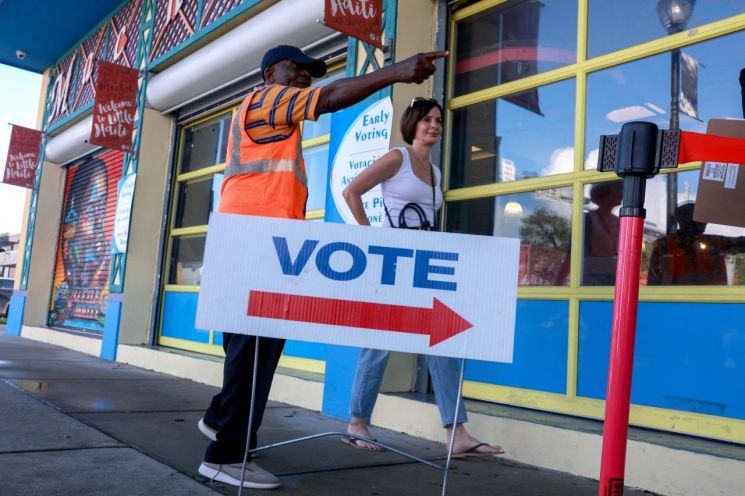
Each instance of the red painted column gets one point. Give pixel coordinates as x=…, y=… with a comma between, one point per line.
x=618, y=398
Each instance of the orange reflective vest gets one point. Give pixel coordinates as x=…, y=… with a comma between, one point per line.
x=266, y=179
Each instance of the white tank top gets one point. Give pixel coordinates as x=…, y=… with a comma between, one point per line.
x=405, y=187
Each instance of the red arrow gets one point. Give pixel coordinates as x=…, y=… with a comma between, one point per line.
x=439, y=322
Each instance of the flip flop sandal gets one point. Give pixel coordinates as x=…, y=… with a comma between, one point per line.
x=473, y=452
x=355, y=443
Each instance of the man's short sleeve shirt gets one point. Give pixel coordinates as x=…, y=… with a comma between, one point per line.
x=275, y=111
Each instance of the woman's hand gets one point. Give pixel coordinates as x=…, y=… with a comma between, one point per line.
x=382, y=169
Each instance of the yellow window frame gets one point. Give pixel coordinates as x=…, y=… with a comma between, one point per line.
x=569, y=403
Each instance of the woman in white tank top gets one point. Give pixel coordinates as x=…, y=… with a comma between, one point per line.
x=407, y=175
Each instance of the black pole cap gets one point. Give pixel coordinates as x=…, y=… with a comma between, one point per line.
x=637, y=149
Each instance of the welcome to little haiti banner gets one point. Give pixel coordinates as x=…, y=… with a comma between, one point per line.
x=23, y=156
x=115, y=106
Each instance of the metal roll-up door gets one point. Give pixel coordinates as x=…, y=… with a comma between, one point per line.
x=80, y=289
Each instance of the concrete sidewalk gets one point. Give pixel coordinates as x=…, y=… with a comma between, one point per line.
x=71, y=424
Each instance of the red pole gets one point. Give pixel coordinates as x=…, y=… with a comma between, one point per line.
x=613, y=461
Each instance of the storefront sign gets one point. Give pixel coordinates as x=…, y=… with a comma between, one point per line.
x=361, y=19
x=123, y=210
x=23, y=155
x=366, y=131
x=114, y=108
x=395, y=289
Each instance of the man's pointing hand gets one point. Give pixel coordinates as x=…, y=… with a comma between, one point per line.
x=418, y=68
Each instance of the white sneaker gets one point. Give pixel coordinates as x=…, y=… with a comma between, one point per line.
x=207, y=430
x=254, y=478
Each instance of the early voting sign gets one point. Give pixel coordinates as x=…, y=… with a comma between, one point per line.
x=366, y=135
x=401, y=290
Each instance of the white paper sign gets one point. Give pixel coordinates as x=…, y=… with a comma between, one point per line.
x=395, y=289
x=365, y=141
x=123, y=212
x=730, y=177
x=714, y=171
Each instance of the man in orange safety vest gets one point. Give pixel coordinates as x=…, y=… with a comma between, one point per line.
x=265, y=176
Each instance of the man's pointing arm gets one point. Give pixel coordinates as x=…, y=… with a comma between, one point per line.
x=346, y=92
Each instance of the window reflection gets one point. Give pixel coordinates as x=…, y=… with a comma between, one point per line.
x=615, y=25
x=316, y=168
x=205, y=144
x=186, y=260
x=641, y=90
x=525, y=135
x=510, y=42
x=541, y=219
x=601, y=229
x=193, y=207
x=690, y=256
x=692, y=253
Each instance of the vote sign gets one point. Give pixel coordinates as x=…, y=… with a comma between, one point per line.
x=395, y=289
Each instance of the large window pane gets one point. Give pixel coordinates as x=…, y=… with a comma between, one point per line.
x=512, y=41
x=676, y=249
x=316, y=168
x=194, y=202
x=524, y=135
x=686, y=252
x=186, y=260
x=641, y=90
x=541, y=219
x=614, y=25
x=205, y=144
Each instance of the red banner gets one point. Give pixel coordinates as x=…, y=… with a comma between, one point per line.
x=115, y=106
x=361, y=19
x=23, y=155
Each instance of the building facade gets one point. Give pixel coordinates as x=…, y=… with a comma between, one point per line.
x=9, y=255
x=528, y=88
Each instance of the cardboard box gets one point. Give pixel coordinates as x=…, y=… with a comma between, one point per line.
x=721, y=187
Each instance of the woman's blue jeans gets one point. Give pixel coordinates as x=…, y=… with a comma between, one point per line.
x=369, y=375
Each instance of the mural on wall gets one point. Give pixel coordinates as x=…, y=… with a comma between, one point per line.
x=90, y=52
x=178, y=20
x=73, y=78
x=174, y=22
x=117, y=40
x=215, y=9
x=124, y=29
x=63, y=75
x=80, y=288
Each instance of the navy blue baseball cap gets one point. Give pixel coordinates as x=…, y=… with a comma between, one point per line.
x=316, y=67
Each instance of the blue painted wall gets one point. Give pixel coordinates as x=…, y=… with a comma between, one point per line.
x=540, y=356
x=15, y=313
x=682, y=360
x=179, y=314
